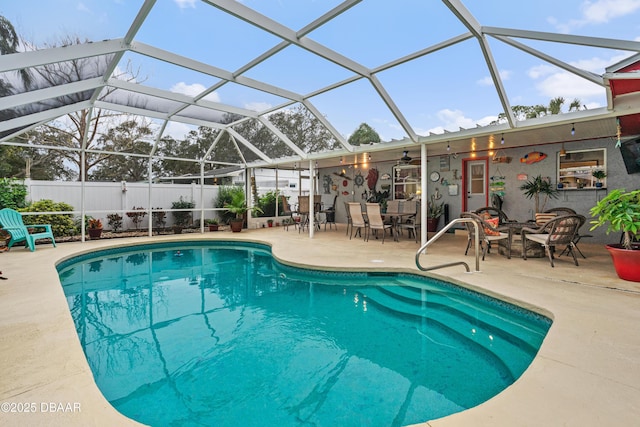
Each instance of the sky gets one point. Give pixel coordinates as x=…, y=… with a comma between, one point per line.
x=445, y=90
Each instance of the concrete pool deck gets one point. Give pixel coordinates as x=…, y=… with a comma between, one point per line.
x=587, y=372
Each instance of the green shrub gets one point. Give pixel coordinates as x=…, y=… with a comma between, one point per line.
x=225, y=196
x=61, y=224
x=13, y=194
x=267, y=203
x=115, y=221
x=183, y=218
x=137, y=215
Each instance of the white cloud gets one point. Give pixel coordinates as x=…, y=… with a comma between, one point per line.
x=82, y=7
x=568, y=86
x=540, y=71
x=177, y=130
x=597, y=12
x=257, y=106
x=189, y=90
x=488, y=81
x=193, y=90
x=183, y=4
x=453, y=120
x=553, y=82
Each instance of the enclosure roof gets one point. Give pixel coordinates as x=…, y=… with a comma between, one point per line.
x=435, y=73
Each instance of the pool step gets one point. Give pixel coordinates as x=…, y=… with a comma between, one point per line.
x=475, y=331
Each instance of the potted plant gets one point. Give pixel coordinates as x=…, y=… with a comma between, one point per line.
x=270, y=222
x=238, y=207
x=434, y=212
x=620, y=211
x=539, y=186
x=95, y=228
x=213, y=224
x=599, y=174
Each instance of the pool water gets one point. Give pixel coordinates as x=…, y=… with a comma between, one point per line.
x=220, y=334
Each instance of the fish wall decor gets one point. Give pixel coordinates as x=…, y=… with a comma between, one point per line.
x=533, y=157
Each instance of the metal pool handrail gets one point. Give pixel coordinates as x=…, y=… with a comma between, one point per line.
x=423, y=248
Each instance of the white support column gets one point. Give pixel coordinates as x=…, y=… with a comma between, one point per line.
x=201, y=197
x=312, y=193
x=424, y=196
x=150, y=197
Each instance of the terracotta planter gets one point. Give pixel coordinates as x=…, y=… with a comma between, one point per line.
x=94, y=233
x=626, y=261
x=236, y=225
x=213, y=227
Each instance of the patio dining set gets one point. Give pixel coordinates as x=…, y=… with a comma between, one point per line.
x=399, y=215
x=551, y=230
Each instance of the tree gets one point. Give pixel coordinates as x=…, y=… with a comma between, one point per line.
x=82, y=128
x=523, y=112
x=365, y=134
x=126, y=137
x=9, y=42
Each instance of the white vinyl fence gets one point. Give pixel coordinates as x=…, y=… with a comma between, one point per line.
x=104, y=198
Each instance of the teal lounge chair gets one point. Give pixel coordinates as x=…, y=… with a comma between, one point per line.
x=11, y=221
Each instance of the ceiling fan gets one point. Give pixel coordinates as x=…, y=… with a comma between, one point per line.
x=405, y=157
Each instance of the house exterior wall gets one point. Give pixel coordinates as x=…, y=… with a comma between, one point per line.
x=515, y=205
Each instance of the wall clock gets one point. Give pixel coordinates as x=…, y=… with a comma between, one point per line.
x=435, y=176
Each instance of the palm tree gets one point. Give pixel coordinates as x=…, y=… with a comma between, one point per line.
x=532, y=189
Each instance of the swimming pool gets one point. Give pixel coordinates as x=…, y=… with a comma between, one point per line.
x=221, y=334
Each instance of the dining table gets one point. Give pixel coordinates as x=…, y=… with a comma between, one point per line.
x=396, y=219
x=534, y=250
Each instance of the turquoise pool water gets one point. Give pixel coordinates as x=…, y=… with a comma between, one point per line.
x=220, y=334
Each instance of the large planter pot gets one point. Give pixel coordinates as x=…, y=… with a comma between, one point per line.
x=213, y=227
x=236, y=225
x=626, y=261
x=432, y=224
x=94, y=233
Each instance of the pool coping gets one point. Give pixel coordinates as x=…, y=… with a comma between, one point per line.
x=586, y=372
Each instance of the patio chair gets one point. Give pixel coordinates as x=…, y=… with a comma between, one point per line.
x=12, y=222
x=393, y=206
x=346, y=208
x=560, y=211
x=494, y=212
x=330, y=215
x=303, y=210
x=357, y=219
x=489, y=231
x=560, y=231
x=375, y=220
x=413, y=223
x=286, y=211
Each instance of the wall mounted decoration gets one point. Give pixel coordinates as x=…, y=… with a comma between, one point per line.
x=499, y=157
x=372, y=178
x=533, y=157
x=444, y=163
x=358, y=180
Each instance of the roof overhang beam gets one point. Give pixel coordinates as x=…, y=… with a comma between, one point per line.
x=18, y=61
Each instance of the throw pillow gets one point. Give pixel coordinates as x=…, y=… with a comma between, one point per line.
x=494, y=223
